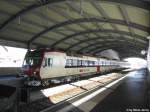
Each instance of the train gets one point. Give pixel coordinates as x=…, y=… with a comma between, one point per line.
x=44, y=66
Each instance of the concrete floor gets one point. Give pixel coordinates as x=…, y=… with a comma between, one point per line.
x=130, y=96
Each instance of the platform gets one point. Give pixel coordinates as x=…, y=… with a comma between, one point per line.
x=131, y=95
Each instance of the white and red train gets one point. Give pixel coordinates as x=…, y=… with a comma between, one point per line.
x=44, y=66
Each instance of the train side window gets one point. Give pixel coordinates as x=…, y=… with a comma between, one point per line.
x=69, y=62
x=79, y=62
x=86, y=62
x=45, y=63
x=90, y=63
x=102, y=63
x=74, y=62
x=95, y=63
x=50, y=62
x=106, y=63
x=83, y=63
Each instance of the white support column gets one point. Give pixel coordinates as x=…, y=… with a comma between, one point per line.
x=148, y=54
x=148, y=66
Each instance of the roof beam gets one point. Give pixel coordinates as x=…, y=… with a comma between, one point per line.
x=19, y=41
x=96, y=41
x=65, y=15
x=122, y=53
x=126, y=17
x=79, y=9
x=27, y=9
x=116, y=48
x=82, y=20
x=121, y=46
x=136, y=3
x=95, y=31
x=118, y=45
x=85, y=41
x=102, y=44
x=103, y=13
x=119, y=50
x=112, y=45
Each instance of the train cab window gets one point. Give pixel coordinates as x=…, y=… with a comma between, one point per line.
x=45, y=63
x=48, y=62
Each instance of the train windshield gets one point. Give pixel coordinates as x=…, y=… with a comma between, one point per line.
x=32, y=58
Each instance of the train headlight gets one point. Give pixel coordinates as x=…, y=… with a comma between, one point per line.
x=34, y=73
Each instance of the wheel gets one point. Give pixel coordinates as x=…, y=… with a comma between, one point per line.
x=45, y=83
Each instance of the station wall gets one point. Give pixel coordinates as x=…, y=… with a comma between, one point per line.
x=9, y=70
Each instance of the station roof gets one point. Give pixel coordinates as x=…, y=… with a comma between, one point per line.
x=81, y=26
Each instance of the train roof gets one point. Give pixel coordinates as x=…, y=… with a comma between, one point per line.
x=71, y=55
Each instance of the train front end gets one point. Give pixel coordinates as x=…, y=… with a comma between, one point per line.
x=31, y=67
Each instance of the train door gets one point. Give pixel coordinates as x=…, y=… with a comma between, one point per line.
x=98, y=66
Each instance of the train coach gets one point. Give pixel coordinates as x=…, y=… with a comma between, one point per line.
x=44, y=66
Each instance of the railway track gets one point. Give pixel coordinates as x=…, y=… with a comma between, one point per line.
x=40, y=102
x=35, y=106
